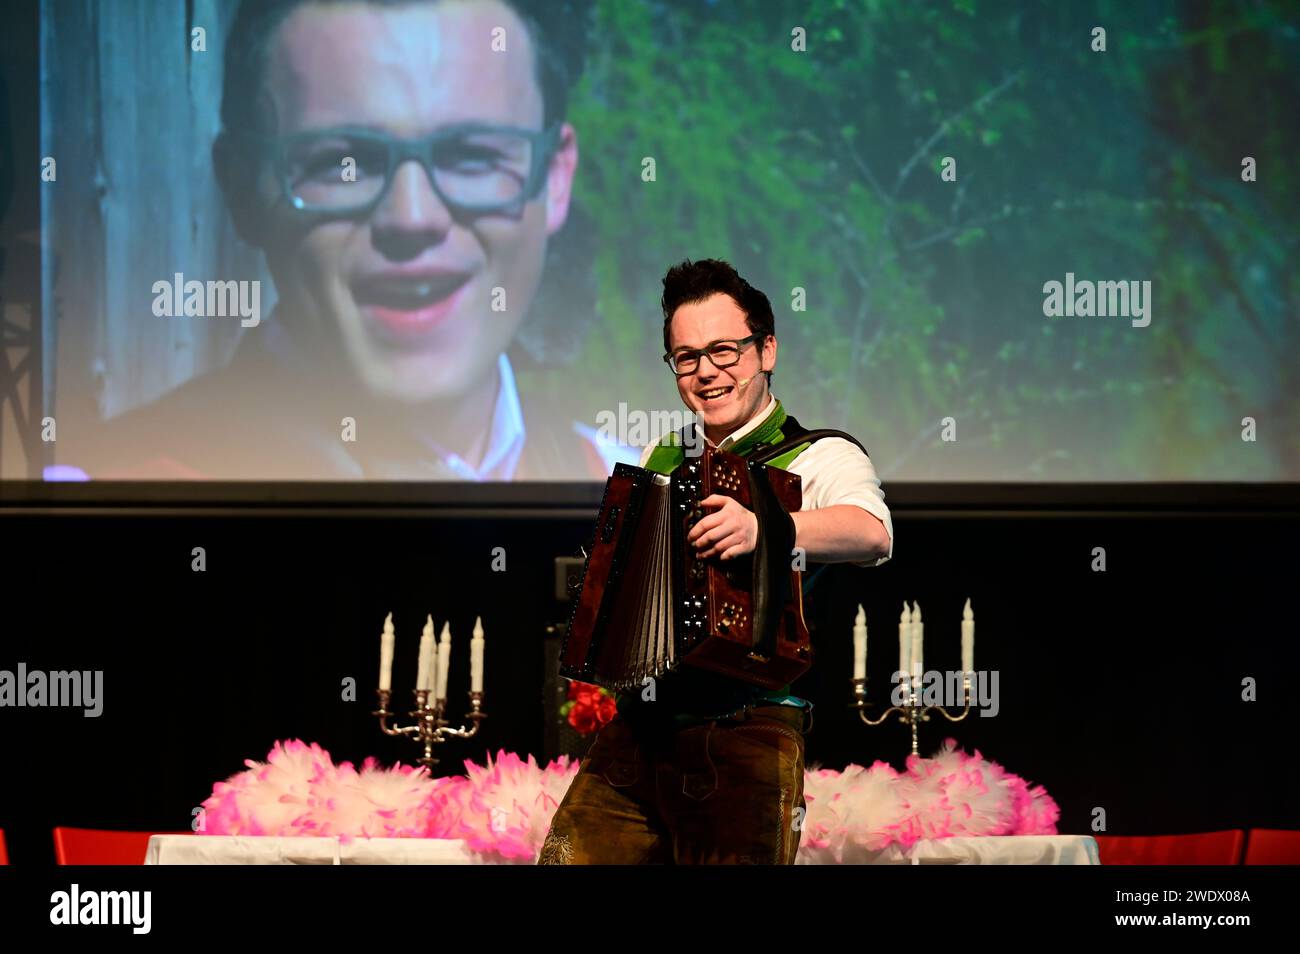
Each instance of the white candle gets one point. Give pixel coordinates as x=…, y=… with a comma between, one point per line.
x=431, y=679
x=918, y=639
x=904, y=640
x=444, y=660
x=860, y=644
x=967, y=638
x=476, y=645
x=422, y=671
x=386, y=654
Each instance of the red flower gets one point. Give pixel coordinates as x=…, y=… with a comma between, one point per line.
x=592, y=707
x=584, y=720
x=608, y=709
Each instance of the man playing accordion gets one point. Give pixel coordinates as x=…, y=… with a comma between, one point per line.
x=699, y=768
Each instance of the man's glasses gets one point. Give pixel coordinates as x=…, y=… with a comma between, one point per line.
x=723, y=354
x=472, y=167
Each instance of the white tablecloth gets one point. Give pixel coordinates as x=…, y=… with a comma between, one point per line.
x=984, y=850
x=247, y=850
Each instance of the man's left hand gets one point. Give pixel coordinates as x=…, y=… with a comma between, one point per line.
x=731, y=530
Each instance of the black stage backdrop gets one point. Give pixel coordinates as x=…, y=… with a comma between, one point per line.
x=1119, y=690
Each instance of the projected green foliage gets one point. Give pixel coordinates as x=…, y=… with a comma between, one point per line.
x=821, y=170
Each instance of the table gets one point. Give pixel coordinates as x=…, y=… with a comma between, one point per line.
x=249, y=850
x=252, y=850
x=982, y=850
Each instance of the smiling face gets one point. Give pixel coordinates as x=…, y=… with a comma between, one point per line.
x=727, y=398
x=408, y=291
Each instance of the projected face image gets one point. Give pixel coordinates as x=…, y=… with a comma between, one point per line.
x=724, y=398
x=408, y=287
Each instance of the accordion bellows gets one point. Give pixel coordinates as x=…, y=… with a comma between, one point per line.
x=647, y=604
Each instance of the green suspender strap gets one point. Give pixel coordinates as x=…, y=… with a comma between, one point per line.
x=779, y=432
x=671, y=451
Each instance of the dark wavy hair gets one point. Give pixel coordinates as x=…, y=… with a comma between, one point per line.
x=691, y=282
x=557, y=29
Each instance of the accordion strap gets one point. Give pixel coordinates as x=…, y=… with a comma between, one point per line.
x=776, y=533
x=771, y=567
x=794, y=434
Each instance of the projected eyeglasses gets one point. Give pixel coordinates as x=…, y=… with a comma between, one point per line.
x=473, y=167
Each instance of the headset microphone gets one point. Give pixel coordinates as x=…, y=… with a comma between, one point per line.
x=744, y=382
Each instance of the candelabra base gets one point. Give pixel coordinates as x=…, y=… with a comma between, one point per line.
x=430, y=729
x=911, y=712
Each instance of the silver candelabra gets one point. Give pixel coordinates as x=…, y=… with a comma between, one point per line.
x=429, y=728
x=911, y=712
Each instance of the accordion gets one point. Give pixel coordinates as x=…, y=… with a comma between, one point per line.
x=648, y=604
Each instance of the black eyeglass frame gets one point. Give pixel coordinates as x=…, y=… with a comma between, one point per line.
x=671, y=357
x=400, y=150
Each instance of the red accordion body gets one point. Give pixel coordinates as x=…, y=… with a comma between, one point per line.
x=648, y=604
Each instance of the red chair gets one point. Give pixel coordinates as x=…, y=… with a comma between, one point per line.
x=4, y=853
x=89, y=846
x=1204, y=848
x=1272, y=846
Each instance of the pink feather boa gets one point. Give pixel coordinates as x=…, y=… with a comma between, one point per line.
x=503, y=810
x=300, y=791
x=952, y=794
